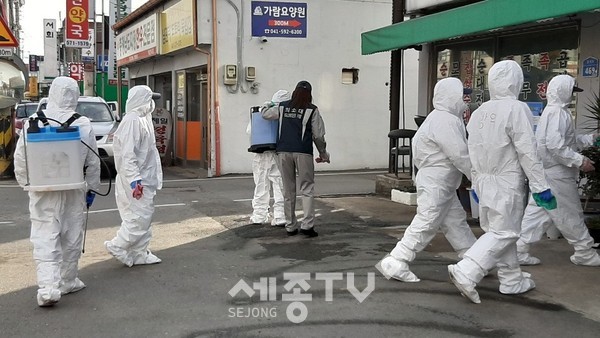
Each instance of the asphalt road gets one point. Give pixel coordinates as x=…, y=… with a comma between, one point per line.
x=207, y=247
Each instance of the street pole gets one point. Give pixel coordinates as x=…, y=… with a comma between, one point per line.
x=94, y=89
x=395, y=83
x=103, y=51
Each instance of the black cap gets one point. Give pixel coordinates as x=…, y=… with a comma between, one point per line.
x=467, y=91
x=156, y=96
x=577, y=89
x=304, y=84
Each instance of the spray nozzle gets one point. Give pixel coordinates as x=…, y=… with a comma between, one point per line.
x=33, y=125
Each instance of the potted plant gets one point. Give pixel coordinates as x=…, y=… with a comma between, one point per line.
x=593, y=225
x=590, y=182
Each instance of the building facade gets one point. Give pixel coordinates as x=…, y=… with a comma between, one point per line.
x=213, y=60
x=464, y=39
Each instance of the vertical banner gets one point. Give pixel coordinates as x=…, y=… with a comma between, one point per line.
x=76, y=23
x=117, y=11
x=50, y=48
x=33, y=64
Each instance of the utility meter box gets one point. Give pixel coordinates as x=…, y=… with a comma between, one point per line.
x=230, y=75
x=250, y=73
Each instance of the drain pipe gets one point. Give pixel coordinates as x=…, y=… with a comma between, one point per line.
x=214, y=118
x=217, y=115
x=212, y=85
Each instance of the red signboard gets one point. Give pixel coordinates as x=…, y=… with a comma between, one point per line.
x=77, y=23
x=76, y=70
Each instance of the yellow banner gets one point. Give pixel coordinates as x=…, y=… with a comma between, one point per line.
x=33, y=86
x=177, y=27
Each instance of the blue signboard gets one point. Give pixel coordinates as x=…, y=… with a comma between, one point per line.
x=536, y=108
x=590, y=67
x=536, y=111
x=279, y=19
x=102, y=66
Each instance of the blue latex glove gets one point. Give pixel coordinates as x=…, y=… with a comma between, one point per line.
x=546, y=195
x=474, y=195
x=545, y=199
x=135, y=183
x=89, y=198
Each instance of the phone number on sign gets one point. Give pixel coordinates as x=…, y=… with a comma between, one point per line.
x=283, y=31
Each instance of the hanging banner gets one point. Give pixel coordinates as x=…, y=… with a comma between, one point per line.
x=76, y=23
x=33, y=64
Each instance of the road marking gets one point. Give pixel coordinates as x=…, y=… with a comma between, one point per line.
x=156, y=206
x=250, y=199
x=250, y=177
x=231, y=178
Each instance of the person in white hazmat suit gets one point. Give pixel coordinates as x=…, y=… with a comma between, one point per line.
x=503, y=154
x=266, y=176
x=57, y=217
x=441, y=156
x=139, y=176
x=557, y=146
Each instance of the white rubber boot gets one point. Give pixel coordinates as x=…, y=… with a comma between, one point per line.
x=397, y=269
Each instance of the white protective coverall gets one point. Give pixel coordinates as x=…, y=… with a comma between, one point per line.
x=266, y=175
x=557, y=146
x=503, y=153
x=57, y=217
x=136, y=158
x=441, y=155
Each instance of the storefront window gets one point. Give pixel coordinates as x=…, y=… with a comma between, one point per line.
x=468, y=62
x=541, y=54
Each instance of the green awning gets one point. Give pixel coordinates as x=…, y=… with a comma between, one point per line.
x=477, y=17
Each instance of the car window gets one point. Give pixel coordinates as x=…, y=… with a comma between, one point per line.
x=95, y=111
x=25, y=110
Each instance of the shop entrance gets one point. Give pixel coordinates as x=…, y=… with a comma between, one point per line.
x=191, y=118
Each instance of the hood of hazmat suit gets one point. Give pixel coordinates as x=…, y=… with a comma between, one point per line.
x=62, y=101
x=136, y=155
x=439, y=146
x=557, y=140
x=280, y=96
x=502, y=148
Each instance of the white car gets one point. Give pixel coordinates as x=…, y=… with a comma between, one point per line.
x=104, y=123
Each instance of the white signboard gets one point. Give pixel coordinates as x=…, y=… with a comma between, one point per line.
x=115, y=15
x=50, y=49
x=89, y=53
x=138, y=41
